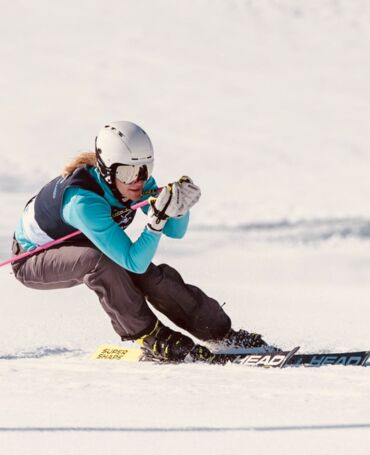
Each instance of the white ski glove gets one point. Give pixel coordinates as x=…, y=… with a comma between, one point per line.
x=190, y=194
x=167, y=205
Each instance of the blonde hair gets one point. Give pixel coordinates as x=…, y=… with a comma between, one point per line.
x=83, y=158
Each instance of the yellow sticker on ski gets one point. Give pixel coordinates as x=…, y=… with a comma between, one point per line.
x=111, y=352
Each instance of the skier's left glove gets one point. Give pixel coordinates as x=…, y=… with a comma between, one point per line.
x=190, y=194
x=166, y=205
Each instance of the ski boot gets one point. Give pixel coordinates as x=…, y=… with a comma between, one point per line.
x=166, y=345
x=244, y=339
x=241, y=340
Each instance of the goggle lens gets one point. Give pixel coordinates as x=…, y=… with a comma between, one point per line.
x=128, y=173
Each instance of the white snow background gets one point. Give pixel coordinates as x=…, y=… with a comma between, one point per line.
x=266, y=104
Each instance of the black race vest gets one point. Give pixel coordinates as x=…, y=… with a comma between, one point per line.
x=48, y=204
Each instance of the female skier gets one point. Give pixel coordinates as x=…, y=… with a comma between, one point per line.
x=94, y=195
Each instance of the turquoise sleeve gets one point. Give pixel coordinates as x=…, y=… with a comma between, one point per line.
x=91, y=214
x=177, y=227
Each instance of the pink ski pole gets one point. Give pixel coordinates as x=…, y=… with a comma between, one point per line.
x=61, y=240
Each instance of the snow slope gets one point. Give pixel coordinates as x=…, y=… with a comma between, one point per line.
x=265, y=103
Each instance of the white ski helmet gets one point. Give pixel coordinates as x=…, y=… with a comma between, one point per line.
x=123, y=151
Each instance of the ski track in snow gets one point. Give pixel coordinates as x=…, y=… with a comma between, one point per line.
x=300, y=231
x=41, y=352
x=190, y=429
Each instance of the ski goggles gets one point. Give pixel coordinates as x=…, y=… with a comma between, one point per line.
x=130, y=173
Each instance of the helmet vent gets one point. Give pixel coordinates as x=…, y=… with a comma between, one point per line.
x=113, y=128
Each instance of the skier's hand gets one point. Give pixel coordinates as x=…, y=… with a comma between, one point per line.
x=190, y=194
x=167, y=205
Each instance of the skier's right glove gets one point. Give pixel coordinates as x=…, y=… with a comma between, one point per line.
x=167, y=205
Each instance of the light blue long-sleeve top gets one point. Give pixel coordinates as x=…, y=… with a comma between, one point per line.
x=91, y=214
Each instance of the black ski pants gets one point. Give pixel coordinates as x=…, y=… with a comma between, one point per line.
x=124, y=295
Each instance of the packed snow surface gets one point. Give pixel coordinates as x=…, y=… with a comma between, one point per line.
x=265, y=104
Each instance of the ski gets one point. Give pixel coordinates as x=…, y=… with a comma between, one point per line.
x=360, y=358
x=278, y=359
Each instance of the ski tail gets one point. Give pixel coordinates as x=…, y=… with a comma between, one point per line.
x=111, y=352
